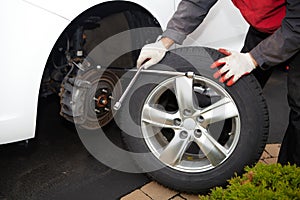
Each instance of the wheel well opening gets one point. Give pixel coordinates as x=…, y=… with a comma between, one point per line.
x=89, y=29
x=81, y=36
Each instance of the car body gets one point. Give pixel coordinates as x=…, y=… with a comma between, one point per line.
x=30, y=29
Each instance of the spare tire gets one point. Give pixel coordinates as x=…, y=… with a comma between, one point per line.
x=196, y=132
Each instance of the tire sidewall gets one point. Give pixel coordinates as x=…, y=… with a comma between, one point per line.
x=245, y=94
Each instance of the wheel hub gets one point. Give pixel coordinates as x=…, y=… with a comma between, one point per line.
x=189, y=124
x=102, y=100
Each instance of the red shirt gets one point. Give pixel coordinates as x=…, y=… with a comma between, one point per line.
x=264, y=15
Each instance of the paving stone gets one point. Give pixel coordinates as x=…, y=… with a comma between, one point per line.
x=158, y=192
x=270, y=160
x=154, y=191
x=136, y=195
x=265, y=155
x=190, y=196
x=262, y=161
x=178, y=198
x=273, y=149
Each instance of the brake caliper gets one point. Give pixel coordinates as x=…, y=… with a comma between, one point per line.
x=73, y=93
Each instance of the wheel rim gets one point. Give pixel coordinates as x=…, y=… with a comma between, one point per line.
x=190, y=124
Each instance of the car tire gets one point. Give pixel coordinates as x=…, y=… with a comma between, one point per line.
x=195, y=153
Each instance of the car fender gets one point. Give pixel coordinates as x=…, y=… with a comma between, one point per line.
x=29, y=32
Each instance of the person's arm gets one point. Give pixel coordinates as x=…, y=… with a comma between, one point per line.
x=188, y=16
x=277, y=48
x=283, y=43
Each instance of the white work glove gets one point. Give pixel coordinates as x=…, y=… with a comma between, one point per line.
x=234, y=66
x=151, y=54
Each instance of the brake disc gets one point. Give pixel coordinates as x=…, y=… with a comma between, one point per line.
x=86, y=100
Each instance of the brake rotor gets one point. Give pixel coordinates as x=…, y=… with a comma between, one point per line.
x=105, y=88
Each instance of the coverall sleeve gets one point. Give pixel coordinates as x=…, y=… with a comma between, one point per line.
x=188, y=16
x=283, y=43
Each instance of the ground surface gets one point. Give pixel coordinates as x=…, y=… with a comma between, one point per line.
x=59, y=167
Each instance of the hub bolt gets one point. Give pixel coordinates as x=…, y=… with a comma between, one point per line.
x=97, y=111
x=104, y=90
x=198, y=133
x=200, y=119
x=183, y=134
x=177, y=122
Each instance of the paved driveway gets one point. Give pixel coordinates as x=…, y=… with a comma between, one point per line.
x=59, y=167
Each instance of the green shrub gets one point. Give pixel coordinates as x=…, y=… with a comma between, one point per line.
x=261, y=182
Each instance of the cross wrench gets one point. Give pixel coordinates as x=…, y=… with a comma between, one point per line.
x=118, y=104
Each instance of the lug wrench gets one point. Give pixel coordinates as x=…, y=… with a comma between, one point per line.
x=118, y=104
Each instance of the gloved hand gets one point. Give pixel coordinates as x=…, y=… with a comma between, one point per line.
x=151, y=54
x=235, y=66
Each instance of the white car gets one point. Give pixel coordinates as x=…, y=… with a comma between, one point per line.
x=50, y=47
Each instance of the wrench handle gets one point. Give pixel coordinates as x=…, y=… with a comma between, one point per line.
x=118, y=104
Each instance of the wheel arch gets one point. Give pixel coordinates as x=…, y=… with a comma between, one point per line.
x=103, y=9
x=41, y=23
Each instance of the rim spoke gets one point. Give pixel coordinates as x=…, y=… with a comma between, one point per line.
x=184, y=93
x=174, y=151
x=158, y=117
x=214, y=152
x=200, y=105
x=219, y=111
